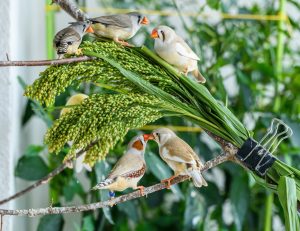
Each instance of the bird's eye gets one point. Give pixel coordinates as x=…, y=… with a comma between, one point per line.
x=158, y=136
x=69, y=43
x=139, y=19
x=163, y=35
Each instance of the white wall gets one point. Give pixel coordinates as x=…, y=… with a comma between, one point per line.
x=23, y=37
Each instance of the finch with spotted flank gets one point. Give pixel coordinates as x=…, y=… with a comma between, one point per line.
x=128, y=170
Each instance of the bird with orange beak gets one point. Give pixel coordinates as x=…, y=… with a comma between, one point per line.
x=128, y=170
x=68, y=39
x=180, y=157
x=119, y=27
x=174, y=50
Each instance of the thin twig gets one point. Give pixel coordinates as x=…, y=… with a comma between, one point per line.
x=71, y=8
x=130, y=196
x=47, y=178
x=46, y=62
x=1, y=224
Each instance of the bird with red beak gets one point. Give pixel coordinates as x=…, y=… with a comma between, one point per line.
x=128, y=170
x=119, y=27
x=180, y=157
x=174, y=50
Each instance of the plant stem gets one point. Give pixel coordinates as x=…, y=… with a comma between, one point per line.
x=268, y=212
x=279, y=54
x=45, y=62
x=50, y=33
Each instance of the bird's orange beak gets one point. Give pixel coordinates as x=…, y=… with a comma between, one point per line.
x=89, y=30
x=145, y=21
x=154, y=34
x=148, y=137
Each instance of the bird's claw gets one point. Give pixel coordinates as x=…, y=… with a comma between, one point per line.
x=124, y=43
x=79, y=52
x=168, y=181
x=112, y=196
x=111, y=203
x=142, y=190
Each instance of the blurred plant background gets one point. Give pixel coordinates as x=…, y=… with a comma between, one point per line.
x=251, y=65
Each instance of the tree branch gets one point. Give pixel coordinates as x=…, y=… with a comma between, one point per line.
x=46, y=62
x=71, y=8
x=130, y=196
x=47, y=178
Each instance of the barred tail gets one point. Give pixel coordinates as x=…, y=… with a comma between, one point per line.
x=198, y=179
x=199, y=76
x=103, y=185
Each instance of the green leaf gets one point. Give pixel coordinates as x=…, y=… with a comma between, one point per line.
x=28, y=113
x=41, y=112
x=72, y=188
x=288, y=200
x=194, y=209
x=51, y=222
x=88, y=223
x=102, y=169
x=213, y=3
x=161, y=171
x=130, y=209
x=31, y=168
x=34, y=150
x=239, y=197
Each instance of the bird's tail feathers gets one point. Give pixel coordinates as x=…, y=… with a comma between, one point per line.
x=199, y=76
x=198, y=179
x=103, y=185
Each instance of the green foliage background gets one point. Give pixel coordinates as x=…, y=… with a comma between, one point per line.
x=232, y=201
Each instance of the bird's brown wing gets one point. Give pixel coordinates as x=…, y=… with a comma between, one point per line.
x=66, y=36
x=120, y=20
x=180, y=151
x=128, y=164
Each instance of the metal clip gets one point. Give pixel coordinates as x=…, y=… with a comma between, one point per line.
x=263, y=150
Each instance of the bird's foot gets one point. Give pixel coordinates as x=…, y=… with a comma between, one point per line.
x=112, y=196
x=142, y=190
x=79, y=52
x=183, y=73
x=168, y=181
x=111, y=203
x=124, y=43
x=61, y=56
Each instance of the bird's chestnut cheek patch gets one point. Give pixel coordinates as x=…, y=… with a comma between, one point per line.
x=138, y=145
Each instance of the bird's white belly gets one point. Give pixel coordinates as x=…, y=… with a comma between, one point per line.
x=180, y=62
x=112, y=32
x=72, y=49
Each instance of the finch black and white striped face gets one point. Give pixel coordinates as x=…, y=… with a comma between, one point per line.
x=163, y=33
x=82, y=27
x=161, y=135
x=138, y=18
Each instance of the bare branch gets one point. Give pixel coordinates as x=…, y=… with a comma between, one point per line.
x=71, y=8
x=47, y=178
x=130, y=196
x=46, y=62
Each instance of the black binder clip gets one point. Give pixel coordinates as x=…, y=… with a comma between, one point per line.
x=257, y=156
